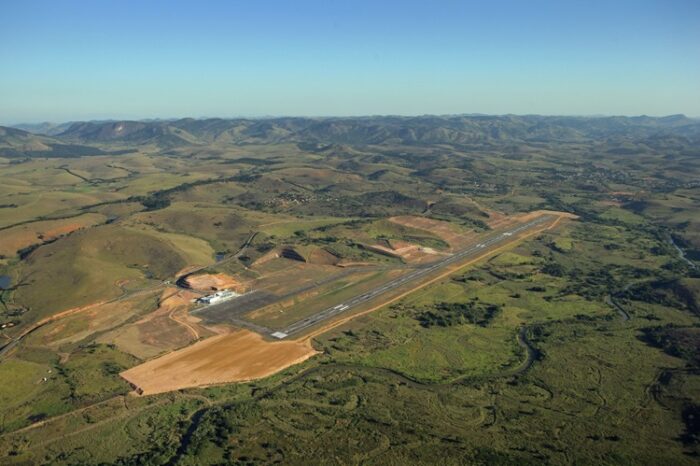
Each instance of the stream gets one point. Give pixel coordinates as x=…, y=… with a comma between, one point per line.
x=611, y=299
x=681, y=253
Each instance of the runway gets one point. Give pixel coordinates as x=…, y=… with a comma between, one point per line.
x=490, y=240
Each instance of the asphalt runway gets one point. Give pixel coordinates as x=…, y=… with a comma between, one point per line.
x=228, y=311
x=232, y=310
x=471, y=251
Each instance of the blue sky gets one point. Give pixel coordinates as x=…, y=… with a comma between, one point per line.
x=71, y=60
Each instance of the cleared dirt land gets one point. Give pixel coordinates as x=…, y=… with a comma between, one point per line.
x=237, y=357
x=210, y=282
x=167, y=328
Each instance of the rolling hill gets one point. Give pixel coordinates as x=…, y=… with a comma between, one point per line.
x=16, y=143
x=455, y=130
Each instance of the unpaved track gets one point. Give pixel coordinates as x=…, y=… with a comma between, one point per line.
x=189, y=328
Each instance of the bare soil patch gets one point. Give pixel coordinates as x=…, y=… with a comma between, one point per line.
x=356, y=264
x=213, y=282
x=237, y=357
x=321, y=256
x=408, y=252
x=92, y=319
x=267, y=257
x=165, y=329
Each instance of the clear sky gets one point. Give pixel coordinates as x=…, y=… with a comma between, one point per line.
x=69, y=60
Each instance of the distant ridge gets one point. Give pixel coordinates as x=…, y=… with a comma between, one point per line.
x=377, y=130
x=16, y=143
x=457, y=130
x=45, y=128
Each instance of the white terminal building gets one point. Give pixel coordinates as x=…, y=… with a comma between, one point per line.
x=218, y=297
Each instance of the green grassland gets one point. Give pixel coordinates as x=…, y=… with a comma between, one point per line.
x=385, y=229
x=406, y=393
x=577, y=346
x=395, y=339
x=40, y=385
x=222, y=228
x=289, y=228
x=85, y=267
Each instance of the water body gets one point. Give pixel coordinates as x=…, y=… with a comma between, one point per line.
x=5, y=282
x=219, y=256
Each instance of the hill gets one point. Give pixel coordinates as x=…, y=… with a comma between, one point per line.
x=128, y=132
x=46, y=128
x=16, y=143
x=454, y=130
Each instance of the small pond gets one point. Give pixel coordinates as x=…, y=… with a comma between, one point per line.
x=5, y=282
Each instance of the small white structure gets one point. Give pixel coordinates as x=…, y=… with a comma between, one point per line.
x=279, y=335
x=218, y=297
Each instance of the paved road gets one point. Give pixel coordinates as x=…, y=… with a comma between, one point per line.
x=181, y=280
x=493, y=239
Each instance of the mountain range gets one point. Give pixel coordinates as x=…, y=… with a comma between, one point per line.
x=91, y=137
